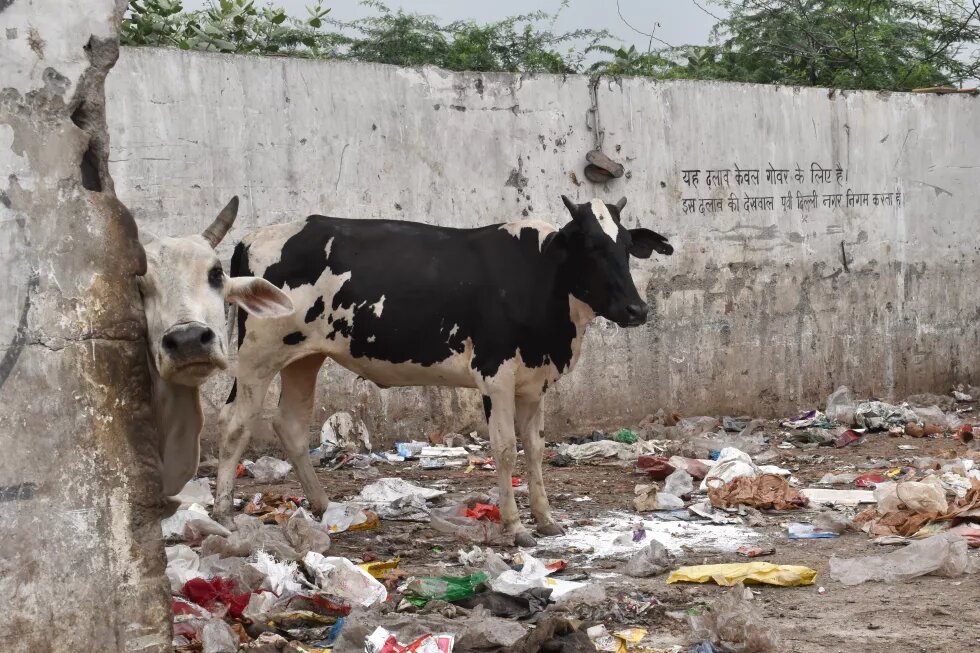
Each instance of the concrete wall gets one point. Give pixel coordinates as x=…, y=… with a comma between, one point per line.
x=762, y=309
x=81, y=561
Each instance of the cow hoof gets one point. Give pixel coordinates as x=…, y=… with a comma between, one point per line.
x=548, y=530
x=525, y=539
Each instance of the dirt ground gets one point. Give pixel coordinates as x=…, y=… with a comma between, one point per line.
x=924, y=615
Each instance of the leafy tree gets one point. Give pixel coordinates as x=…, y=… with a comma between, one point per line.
x=515, y=44
x=229, y=26
x=871, y=44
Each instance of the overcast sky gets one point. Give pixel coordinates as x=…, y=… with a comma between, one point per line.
x=680, y=21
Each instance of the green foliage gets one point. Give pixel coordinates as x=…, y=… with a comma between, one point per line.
x=228, y=26
x=515, y=44
x=871, y=44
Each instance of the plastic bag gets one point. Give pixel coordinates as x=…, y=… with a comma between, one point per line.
x=940, y=555
x=453, y=521
x=341, y=577
x=734, y=625
x=691, y=426
x=679, y=483
x=340, y=517
x=343, y=430
x=926, y=496
x=651, y=560
x=196, y=490
x=183, y=564
x=268, y=469
x=306, y=535
x=747, y=572
x=218, y=637
x=251, y=535
x=269, y=574
x=191, y=524
x=732, y=463
x=420, y=591
x=841, y=406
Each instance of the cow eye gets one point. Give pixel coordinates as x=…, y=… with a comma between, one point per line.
x=216, y=276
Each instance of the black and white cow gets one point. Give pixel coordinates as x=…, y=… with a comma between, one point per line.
x=501, y=308
x=184, y=292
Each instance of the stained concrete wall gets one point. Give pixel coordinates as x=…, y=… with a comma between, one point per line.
x=767, y=303
x=81, y=561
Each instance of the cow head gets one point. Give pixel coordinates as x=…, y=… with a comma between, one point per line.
x=596, y=250
x=184, y=292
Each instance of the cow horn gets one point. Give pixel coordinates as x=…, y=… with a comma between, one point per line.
x=214, y=233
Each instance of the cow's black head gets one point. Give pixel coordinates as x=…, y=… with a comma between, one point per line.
x=596, y=249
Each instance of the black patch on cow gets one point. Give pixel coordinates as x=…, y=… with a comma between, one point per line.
x=487, y=407
x=240, y=268
x=315, y=311
x=233, y=393
x=445, y=287
x=293, y=338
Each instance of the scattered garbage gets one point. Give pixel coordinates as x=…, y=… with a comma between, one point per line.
x=799, y=531
x=878, y=415
x=269, y=584
x=268, y=469
x=940, y=555
x=652, y=560
x=196, y=490
x=342, y=578
x=343, y=430
x=764, y=492
x=420, y=591
x=745, y=572
x=734, y=625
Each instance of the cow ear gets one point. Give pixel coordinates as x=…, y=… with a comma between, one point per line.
x=258, y=297
x=645, y=242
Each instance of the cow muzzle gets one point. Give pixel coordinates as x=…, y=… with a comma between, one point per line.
x=190, y=353
x=633, y=315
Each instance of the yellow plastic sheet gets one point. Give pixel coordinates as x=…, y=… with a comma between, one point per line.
x=379, y=567
x=746, y=572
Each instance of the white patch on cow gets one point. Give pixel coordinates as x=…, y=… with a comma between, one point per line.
x=605, y=219
x=372, y=338
x=453, y=331
x=542, y=227
x=379, y=306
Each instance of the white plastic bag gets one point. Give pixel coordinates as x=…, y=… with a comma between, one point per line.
x=278, y=577
x=342, y=578
x=732, y=463
x=940, y=555
x=268, y=469
x=183, y=564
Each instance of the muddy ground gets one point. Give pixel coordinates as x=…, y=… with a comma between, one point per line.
x=926, y=614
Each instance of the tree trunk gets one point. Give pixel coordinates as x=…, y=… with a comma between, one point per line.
x=81, y=563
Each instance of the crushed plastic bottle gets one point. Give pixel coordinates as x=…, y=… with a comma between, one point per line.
x=445, y=588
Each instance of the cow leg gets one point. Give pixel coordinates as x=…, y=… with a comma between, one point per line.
x=499, y=407
x=292, y=424
x=530, y=422
x=237, y=420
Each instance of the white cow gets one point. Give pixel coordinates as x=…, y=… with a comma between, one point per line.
x=184, y=292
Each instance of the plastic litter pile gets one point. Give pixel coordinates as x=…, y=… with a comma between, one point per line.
x=708, y=494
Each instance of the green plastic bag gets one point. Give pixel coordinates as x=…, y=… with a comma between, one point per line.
x=446, y=588
x=625, y=436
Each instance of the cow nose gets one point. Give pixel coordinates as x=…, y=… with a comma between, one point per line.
x=637, y=313
x=188, y=339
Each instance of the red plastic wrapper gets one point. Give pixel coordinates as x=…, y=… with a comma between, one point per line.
x=484, y=511
x=208, y=592
x=870, y=480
